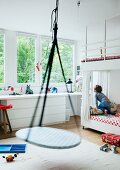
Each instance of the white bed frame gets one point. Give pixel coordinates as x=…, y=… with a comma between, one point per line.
x=100, y=126
x=113, y=64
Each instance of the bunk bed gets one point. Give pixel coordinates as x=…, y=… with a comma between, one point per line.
x=100, y=58
x=104, y=123
x=102, y=63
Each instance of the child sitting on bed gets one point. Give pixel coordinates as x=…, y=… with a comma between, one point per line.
x=104, y=102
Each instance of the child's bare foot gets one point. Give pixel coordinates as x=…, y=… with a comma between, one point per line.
x=106, y=112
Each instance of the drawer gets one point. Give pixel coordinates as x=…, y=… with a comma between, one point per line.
x=53, y=119
x=28, y=103
x=28, y=112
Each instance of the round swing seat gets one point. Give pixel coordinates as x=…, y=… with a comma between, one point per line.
x=49, y=137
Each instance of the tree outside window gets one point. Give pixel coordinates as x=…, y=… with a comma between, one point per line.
x=25, y=59
x=66, y=52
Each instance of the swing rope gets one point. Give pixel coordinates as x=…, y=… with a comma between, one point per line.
x=54, y=27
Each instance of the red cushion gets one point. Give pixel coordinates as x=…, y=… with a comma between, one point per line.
x=3, y=107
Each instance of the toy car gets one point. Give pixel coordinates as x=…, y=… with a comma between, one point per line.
x=10, y=158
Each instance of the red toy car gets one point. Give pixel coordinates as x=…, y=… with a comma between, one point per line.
x=10, y=158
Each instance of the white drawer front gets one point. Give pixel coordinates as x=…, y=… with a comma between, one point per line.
x=26, y=113
x=27, y=103
x=23, y=109
x=21, y=123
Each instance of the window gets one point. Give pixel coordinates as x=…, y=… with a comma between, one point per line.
x=1, y=57
x=66, y=49
x=25, y=58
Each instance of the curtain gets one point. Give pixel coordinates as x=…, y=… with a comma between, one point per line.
x=85, y=114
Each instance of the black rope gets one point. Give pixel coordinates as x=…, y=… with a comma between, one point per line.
x=73, y=110
x=48, y=69
x=48, y=80
x=54, y=27
x=38, y=101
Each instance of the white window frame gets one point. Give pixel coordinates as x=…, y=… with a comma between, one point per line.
x=10, y=60
x=4, y=81
x=37, y=59
x=72, y=42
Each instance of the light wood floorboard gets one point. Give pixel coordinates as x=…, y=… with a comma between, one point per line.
x=74, y=126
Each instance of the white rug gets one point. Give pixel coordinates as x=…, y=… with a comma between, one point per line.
x=86, y=156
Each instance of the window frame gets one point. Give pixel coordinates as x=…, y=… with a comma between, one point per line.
x=72, y=42
x=37, y=58
x=2, y=31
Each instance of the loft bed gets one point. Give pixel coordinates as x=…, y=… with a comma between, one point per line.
x=106, y=124
x=110, y=63
x=103, y=123
x=100, y=55
x=101, y=61
x=100, y=58
x=105, y=60
x=109, y=119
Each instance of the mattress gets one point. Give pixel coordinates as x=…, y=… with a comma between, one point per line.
x=109, y=119
x=101, y=58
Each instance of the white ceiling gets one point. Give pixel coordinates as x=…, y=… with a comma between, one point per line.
x=34, y=15
x=93, y=11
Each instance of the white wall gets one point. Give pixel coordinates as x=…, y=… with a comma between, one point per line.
x=35, y=16
x=114, y=86
x=95, y=11
x=113, y=32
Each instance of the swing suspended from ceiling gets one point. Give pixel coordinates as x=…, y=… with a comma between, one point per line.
x=46, y=136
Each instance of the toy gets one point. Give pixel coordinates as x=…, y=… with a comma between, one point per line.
x=28, y=90
x=38, y=66
x=112, y=139
x=15, y=93
x=113, y=148
x=10, y=158
x=113, y=107
x=12, y=148
x=105, y=148
x=10, y=88
x=54, y=90
x=95, y=111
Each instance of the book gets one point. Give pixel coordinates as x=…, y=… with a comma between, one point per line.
x=12, y=148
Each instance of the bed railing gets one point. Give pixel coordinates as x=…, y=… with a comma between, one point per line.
x=100, y=50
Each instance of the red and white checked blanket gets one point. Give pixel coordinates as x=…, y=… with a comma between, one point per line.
x=109, y=119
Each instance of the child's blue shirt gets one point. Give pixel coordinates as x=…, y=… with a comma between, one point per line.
x=101, y=98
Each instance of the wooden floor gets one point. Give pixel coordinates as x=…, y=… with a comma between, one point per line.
x=72, y=125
